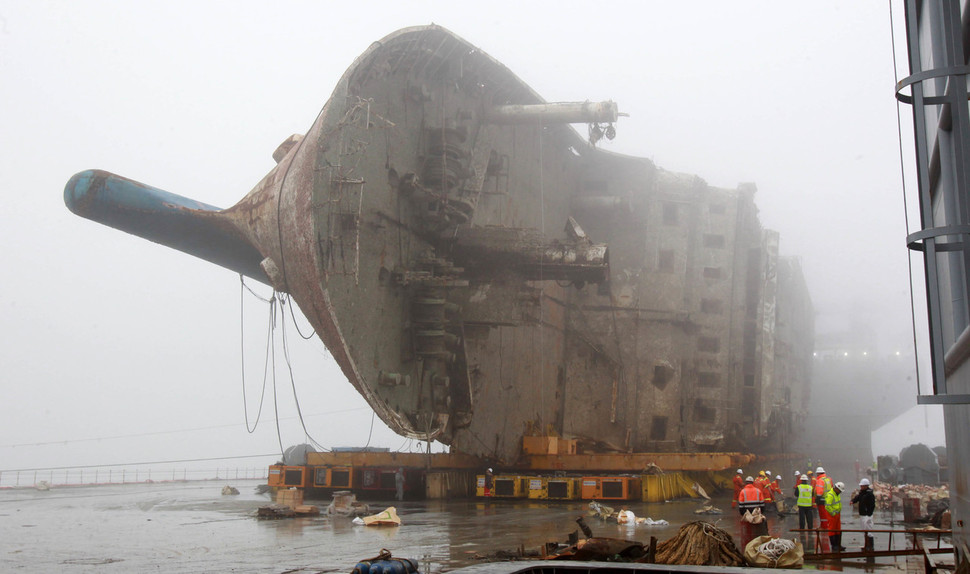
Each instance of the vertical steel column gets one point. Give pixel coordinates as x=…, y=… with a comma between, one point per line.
x=943, y=167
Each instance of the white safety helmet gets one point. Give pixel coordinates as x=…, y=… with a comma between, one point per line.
x=768, y=473
x=804, y=478
x=864, y=482
x=819, y=470
x=749, y=479
x=840, y=485
x=798, y=473
x=739, y=471
x=489, y=470
x=778, y=477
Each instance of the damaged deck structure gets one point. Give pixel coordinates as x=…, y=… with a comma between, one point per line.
x=481, y=272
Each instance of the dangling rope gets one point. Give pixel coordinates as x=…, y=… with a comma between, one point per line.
x=902, y=175
x=242, y=358
x=286, y=354
x=276, y=408
x=269, y=364
x=288, y=300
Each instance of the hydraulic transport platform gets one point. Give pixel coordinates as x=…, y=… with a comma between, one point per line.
x=545, y=471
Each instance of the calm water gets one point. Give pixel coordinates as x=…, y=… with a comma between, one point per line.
x=191, y=527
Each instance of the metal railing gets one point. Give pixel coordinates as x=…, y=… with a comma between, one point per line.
x=88, y=476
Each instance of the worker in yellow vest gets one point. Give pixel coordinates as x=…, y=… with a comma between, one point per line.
x=805, y=500
x=833, y=507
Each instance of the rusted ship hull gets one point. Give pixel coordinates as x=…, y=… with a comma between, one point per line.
x=436, y=225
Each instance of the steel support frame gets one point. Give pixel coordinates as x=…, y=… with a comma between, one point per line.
x=932, y=157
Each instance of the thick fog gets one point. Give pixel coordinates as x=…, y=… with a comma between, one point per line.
x=118, y=350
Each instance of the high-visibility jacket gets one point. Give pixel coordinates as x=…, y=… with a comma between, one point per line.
x=750, y=497
x=775, y=488
x=738, y=485
x=833, y=503
x=766, y=491
x=823, y=484
x=805, y=497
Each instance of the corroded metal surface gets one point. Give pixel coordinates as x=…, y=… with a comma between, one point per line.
x=481, y=272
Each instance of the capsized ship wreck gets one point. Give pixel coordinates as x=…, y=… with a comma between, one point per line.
x=480, y=271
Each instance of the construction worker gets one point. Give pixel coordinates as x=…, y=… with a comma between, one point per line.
x=488, y=482
x=776, y=494
x=764, y=481
x=750, y=497
x=738, y=485
x=761, y=481
x=823, y=484
x=867, y=504
x=833, y=508
x=805, y=500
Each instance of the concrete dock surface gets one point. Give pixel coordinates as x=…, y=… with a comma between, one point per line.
x=191, y=527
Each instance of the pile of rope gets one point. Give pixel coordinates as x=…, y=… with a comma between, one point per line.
x=776, y=547
x=699, y=544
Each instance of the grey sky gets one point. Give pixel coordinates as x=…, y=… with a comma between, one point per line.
x=106, y=334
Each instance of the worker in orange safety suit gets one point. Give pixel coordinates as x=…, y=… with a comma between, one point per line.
x=764, y=481
x=738, y=485
x=822, y=486
x=761, y=481
x=776, y=493
x=750, y=497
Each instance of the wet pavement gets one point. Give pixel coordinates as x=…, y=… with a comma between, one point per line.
x=192, y=527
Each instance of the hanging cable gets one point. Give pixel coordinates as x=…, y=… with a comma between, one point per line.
x=289, y=302
x=371, y=431
x=289, y=366
x=902, y=175
x=242, y=280
x=242, y=359
x=276, y=408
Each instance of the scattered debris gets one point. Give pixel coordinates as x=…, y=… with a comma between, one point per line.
x=603, y=550
x=345, y=503
x=597, y=509
x=708, y=509
x=387, y=517
x=626, y=517
x=584, y=527
x=700, y=491
x=307, y=510
x=229, y=490
x=42, y=485
x=888, y=495
x=275, y=512
x=622, y=516
x=699, y=544
x=263, y=488
x=291, y=497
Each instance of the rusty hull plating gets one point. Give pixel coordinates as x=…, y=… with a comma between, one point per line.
x=434, y=226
